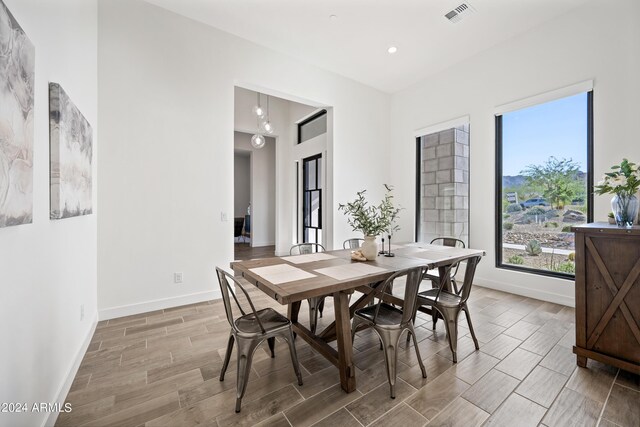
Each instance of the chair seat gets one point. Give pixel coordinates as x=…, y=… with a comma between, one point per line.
x=445, y=299
x=387, y=316
x=270, y=319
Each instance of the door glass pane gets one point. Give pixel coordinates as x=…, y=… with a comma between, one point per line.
x=315, y=208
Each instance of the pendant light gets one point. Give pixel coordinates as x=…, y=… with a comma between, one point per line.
x=257, y=109
x=258, y=140
x=266, y=125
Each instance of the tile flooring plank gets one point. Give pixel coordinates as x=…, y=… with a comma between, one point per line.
x=261, y=409
x=519, y=363
x=517, y=411
x=340, y=418
x=491, y=390
x=377, y=402
x=560, y=359
x=319, y=406
x=572, y=409
x=474, y=367
x=539, y=343
x=400, y=416
x=623, y=407
x=141, y=413
x=594, y=381
x=460, y=413
x=521, y=330
x=500, y=346
x=435, y=396
x=542, y=386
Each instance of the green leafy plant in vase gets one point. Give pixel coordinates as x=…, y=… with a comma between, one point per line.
x=371, y=220
x=623, y=182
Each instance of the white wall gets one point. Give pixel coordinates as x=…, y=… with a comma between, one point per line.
x=595, y=42
x=48, y=268
x=241, y=184
x=262, y=188
x=166, y=160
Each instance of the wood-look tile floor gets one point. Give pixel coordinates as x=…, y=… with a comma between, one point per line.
x=162, y=368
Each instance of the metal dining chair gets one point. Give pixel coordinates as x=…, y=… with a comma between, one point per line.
x=353, y=243
x=389, y=322
x=250, y=330
x=450, y=303
x=316, y=304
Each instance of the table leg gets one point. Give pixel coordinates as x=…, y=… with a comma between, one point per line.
x=293, y=310
x=345, y=347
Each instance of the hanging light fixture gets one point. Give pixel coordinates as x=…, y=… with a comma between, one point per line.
x=257, y=109
x=258, y=140
x=266, y=125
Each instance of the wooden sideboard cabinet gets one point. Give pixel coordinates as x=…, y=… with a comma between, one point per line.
x=608, y=295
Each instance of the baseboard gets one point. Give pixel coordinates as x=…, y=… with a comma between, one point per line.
x=50, y=421
x=159, y=304
x=527, y=292
x=260, y=244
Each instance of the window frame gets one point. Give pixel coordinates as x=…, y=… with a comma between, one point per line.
x=308, y=120
x=318, y=229
x=498, y=188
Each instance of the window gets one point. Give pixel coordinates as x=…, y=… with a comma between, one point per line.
x=442, y=184
x=313, y=126
x=544, y=184
x=312, y=199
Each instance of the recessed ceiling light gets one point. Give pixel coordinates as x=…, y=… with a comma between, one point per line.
x=392, y=49
x=333, y=17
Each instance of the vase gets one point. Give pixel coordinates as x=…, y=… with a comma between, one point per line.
x=625, y=209
x=369, y=248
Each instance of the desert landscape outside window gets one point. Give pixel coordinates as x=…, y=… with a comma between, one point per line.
x=544, y=184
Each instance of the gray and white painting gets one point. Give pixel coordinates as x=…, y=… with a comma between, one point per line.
x=71, y=140
x=17, y=74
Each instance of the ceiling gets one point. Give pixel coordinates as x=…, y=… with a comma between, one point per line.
x=355, y=43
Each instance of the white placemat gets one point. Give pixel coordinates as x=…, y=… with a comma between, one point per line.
x=349, y=271
x=302, y=259
x=281, y=273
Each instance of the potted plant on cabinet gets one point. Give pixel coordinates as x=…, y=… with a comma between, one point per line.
x=371, y=220
x=623, y=182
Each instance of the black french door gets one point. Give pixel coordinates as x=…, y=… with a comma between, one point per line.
x=312, y=199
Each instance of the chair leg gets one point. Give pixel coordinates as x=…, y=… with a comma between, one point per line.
x=294, y=355
x=272, y=344
x=473, y=334
x=313, y=314
x=321, y=306
x=245, y=356
x=390, y=340
x=227, y=357
x=412, y=332
x=450, y=316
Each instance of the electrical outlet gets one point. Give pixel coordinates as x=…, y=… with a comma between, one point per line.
x=223, y=217
x=177, y=278
x=81, y=312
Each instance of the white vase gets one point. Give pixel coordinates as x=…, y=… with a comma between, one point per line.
x=369, y=248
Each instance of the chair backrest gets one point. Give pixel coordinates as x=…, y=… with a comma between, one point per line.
x=448, y=241
x=469, y=272
x=453, y=243
x=354, y=243
x=247, y=223
x=225, y=279
x=306, y=248
x=238, y=223
x=413, y=280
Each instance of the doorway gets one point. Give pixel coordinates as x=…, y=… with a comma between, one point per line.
x=312, y=199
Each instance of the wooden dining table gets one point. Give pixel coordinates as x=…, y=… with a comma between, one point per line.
x=293, y=279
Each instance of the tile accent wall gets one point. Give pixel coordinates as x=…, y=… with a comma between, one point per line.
x=445, y=185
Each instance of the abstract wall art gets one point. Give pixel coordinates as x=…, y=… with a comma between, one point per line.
x=17, y=74
x=71, y=145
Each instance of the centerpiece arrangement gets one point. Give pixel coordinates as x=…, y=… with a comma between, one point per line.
x=623, y=182
x=371, y=220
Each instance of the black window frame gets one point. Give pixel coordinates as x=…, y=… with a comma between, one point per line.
x=317, y=229
x=498, y=193
x=308, y=120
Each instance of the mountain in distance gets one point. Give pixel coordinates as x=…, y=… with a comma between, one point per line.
x=516, y=181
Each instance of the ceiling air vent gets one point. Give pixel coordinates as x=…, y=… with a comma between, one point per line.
x=459, y=12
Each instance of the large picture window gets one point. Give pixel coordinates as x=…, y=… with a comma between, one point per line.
x=544, y=184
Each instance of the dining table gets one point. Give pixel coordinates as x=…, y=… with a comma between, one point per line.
x=292, y=279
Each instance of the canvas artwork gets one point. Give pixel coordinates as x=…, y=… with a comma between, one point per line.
x=71, y=140
x=17, y=74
